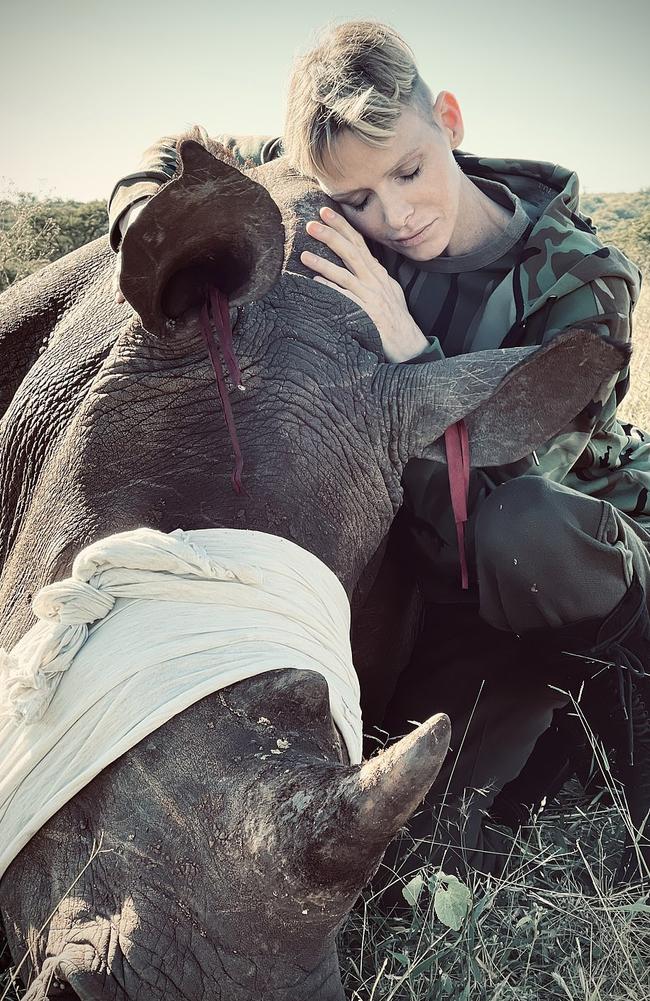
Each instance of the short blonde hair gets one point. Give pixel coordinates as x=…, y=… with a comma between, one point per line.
x=359, y=77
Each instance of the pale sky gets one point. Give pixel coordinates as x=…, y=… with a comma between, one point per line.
x=87, y=85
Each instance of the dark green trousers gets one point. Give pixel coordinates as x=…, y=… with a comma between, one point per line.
x=542, y=556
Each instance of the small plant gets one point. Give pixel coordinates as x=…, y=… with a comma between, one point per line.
x=35, y=231
x=552, y=925
x=451, y=898
x=27, y=238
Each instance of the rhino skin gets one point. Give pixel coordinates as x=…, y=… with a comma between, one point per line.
x=198, y=865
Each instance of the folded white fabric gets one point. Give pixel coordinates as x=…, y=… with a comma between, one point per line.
x=147, y=624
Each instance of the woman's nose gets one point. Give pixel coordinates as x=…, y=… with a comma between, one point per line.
x=397, y=215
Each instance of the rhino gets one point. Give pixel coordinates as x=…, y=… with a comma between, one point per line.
x=189, y=867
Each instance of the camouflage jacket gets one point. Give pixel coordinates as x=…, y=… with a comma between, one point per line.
x=565, y=277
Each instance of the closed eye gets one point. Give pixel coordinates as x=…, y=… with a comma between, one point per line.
x=361, y=206
x=404, y=177
x=412, y=175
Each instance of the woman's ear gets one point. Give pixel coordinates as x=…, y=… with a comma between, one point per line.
x=447, y=114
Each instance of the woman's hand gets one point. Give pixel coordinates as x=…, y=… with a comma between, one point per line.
x=366, y=282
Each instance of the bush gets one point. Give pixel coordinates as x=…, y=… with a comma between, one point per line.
x=35, y=231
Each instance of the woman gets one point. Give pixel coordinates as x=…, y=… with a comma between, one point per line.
x=450, y=253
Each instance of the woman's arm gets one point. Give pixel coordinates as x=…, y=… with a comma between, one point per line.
x=158, y=164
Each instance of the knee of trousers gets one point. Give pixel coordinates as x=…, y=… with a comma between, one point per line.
x=521, y=518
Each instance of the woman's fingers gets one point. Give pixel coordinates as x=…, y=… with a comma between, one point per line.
x=343, y=291
x=338, y=222
x=334, y=272
x=344, y=241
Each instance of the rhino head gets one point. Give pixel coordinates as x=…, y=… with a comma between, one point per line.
x=218, y=857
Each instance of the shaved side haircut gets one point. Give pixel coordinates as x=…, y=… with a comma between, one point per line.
x=358, y=78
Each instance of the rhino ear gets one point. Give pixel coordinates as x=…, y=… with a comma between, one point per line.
x=68, y=975
x=513, y=400
x=212, y=223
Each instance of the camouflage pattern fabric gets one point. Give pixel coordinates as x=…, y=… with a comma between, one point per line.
x=567, y=277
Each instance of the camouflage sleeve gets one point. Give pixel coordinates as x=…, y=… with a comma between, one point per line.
x=598, y=454
x=159, y=164
x=615, y=465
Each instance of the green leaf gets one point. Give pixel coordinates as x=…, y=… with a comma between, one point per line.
x=402, y=958
x=451, y=901
x=413, y=889
x=423, y=965
x=638, y=907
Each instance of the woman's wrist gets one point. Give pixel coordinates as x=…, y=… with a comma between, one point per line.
x=409, y=346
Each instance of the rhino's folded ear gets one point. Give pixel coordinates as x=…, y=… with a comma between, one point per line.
x=513, y=400
x=75, y=972
x=210, y=225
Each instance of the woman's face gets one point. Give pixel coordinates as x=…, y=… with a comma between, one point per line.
x=404, y=195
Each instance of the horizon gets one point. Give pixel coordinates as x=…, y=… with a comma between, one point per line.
x=125, y=77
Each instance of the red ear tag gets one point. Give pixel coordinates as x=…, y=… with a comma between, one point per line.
x=457, y=448
x=215, y=324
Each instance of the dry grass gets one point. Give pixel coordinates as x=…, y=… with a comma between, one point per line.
x=557, y=923
x=552, y=926
x=636, y=406
x=8, y=988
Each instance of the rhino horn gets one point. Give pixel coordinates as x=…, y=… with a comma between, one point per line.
x=370, y=803
x=388, y=788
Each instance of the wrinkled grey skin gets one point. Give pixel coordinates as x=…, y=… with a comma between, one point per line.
x=222, y=873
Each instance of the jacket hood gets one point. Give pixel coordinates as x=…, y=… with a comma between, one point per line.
x=562, y=252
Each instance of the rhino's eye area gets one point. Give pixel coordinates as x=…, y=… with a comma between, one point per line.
x=228, y=270
x=62, y=991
